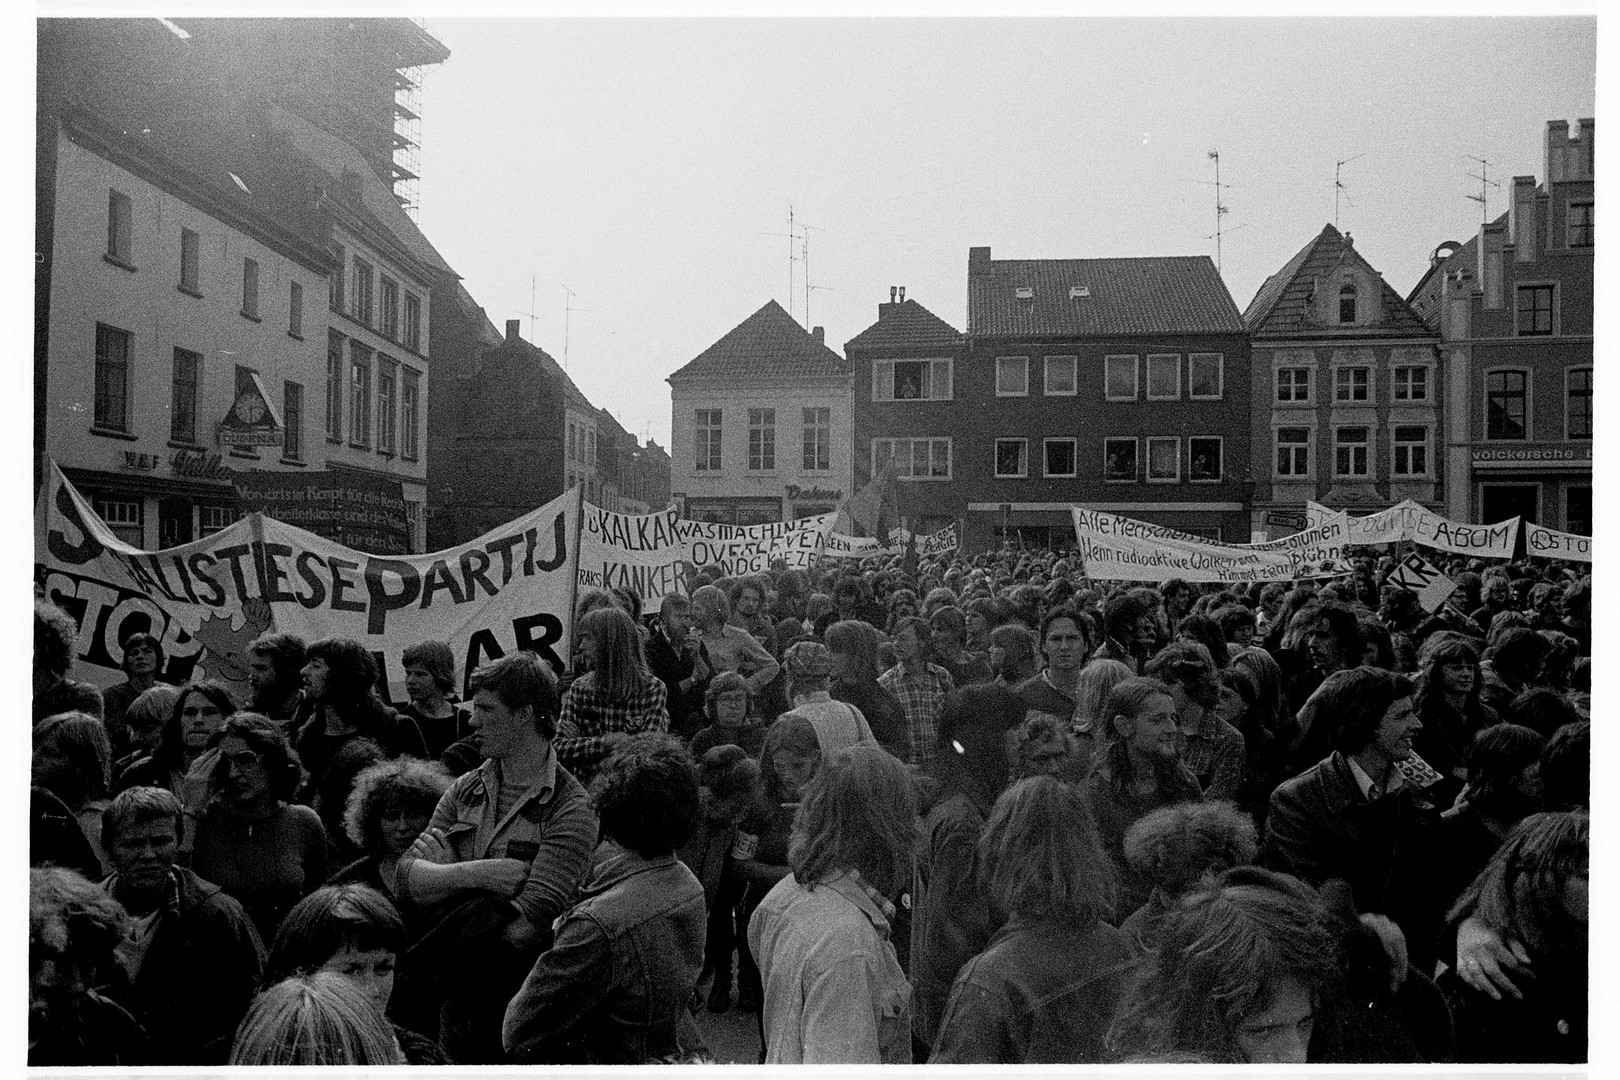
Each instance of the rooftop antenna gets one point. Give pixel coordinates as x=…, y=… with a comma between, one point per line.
x=1221, y=209
x=568, y=310
x=804, y=247
x=1484, y=171
x=792, y=257
x=1338, y=186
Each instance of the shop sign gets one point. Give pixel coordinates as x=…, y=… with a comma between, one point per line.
x=795, y=493
x=200, y=465
x=252, y=421
x=1532, y=454
x=135, y=459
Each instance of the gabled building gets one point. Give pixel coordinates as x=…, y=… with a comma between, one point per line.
x=760, y=424
x=1117, y=384
x=1514, y=311
x=1346, y=388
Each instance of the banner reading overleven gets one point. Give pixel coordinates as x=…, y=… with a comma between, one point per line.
x=750, y=549
x=510, y=589
x=1409, y=521
x=1118, y=548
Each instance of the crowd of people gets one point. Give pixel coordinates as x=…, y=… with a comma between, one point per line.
x=977, y=810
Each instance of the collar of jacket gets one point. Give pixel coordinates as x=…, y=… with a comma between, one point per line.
x=619, y=865
x=873, y=905
x=541, y=790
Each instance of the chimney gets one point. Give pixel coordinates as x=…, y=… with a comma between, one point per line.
x=512, y=329
x=892, y=291
x=1522, y=219
x=978, y=260
x=820, y=334
x=902, y=294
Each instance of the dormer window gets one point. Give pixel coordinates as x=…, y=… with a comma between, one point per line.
x=1077, y=292
x=1025, y=292
x=1347, y=304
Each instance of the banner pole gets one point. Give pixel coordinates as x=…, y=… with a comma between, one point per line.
x=573, y=583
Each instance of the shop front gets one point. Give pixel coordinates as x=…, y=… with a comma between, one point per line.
x=1544, y=483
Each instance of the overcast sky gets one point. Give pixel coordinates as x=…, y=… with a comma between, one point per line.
x=646, y=165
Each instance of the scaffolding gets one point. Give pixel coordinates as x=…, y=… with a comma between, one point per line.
x=407, y=136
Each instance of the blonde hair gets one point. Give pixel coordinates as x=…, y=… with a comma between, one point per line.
x=619, y=664
x=1091, y=690
x=859, y=813
x=318, y=1019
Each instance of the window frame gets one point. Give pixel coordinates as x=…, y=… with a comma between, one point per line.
x=250, y=288
x=410, y=414
x=1310, y=385
x=1397, y=444
x=190, y=281
x=1074, y=457
x=883, y=379
x=387, y=418
x=1588, y=228
x=337, y=296
x=177, y=406
x=1364, y=444
x=292, y=420
x=337, y=385
x=1073, y=365
x=707, y=429
x=1525, y=394
x=388, y=307
x=935, y=442
x=361, y=359
x=1023, y=458
x=360, y=299
x=106, y=366
x=1136, y=459
x=1004, y=364
x=1524, y=288
x=1349, y=294
x=1569, y=398
x=295, y=310
x=1220, y=376
x=762, y=440
x=1368, y=395
x=1136, y=377
x=1220, y=459
x=120, y=229
x=1395, y=383
x=413, y=321
x=816, y=447
x=1306, y=471
x=1161, y=440
x=1175, y=358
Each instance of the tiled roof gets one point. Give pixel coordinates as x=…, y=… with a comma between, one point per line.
x=1282, y=304
x=1157, y=295
x=1425, y=295
x=767, y=344
x=904, y=325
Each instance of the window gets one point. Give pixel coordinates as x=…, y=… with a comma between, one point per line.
x=1119, y=460
x=120, y=222
x=112, y=378
x=1204, y=459
x=1347, y=304
x=334, y=386
x=386, y=380
x=1206, y=376
x=292, y=415
x=390, y=307
x=1060, y=457
x=916, y=459
x=183, y=400
x=250, y=288
x=413, y=322
x=1578, y=225
x=1535, y=310
x=1578, y=510
x=295, y=310
x=410, y=407
x=1012, y=376
x=1411, y=450
x=573, y=441
x=1506, y=397
x=761, y=440
x=1578, y=403
x=1351, y=384
x=360, y=308
x=911, y=380
x=190, y=259
x=706, y=439
x=592, y=460
x=1060, y=376
x=1012, y=458
x=1294, y=452
x=1411, y=384
x=359, y=394
x=123, y=517
x=1350, y=451
x=211, y=519
x=817, y=439
x=1119, y=378
x=1163, y=378
x=1294, y=384
x=334, y=284
x=1164, y=460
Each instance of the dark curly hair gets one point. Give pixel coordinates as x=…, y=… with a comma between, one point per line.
x=266, y=739
x=1495, y=760
x=1353, y=704
x=351, y=670
x=1189, y=666
x=54, y=631
x=416, y=785
x=646, y=795
x=1207, y=632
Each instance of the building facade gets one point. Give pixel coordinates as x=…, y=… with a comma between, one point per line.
x=1514, y=309
x=760, y=425
x=1076, y=383
x=1347, y=391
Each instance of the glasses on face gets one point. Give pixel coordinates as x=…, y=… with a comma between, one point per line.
x=732, y=697
x=242, y=759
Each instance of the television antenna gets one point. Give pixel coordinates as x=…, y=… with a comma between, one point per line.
x=568, y=311
x=1484, y=171
x=1221, y=209
x=1339, y=189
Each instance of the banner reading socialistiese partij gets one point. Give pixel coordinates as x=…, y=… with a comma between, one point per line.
x=1116, y=548
x=509, y=589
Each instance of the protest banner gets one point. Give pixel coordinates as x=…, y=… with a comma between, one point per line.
x=1417, y=574
x=1552, y=544
x=750, y=549
x=644, y=552
x=1116, y=548
x=206, y=601
x=356, y=509
x=844, y=546
x=935, y=543
x=1409, y=521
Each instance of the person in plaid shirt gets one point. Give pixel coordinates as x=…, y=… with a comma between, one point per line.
x=920, y=687
x=1212, y=748
x=616, y=698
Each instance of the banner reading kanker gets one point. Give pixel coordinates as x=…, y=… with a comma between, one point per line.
x=1116, y=548
x=510, y=589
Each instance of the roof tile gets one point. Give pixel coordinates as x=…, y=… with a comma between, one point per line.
x=1155, y=295
x=767, y=344
x=903, y=325
x=1281, y=306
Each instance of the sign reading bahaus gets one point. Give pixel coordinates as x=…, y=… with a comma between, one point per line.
x=363, y=512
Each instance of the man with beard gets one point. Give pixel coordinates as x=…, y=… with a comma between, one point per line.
x=1353, y=816
x=192, y=955
x=275, y=666
x=675, y=656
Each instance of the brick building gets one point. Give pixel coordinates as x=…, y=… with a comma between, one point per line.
x=1346, y=390
x=1514, y=310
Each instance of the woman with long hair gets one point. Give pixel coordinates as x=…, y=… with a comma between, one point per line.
x=1533, y=892
x=1213, y=749
x=618, y=697
x=852, y=646
x=1448, y=703
x=1504, y=787
x=143, y=724
x=253, y=841
x=73, y=761
x=316, y=1019
x=1204, y=630
x=834, y=990
x=1044, y=988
